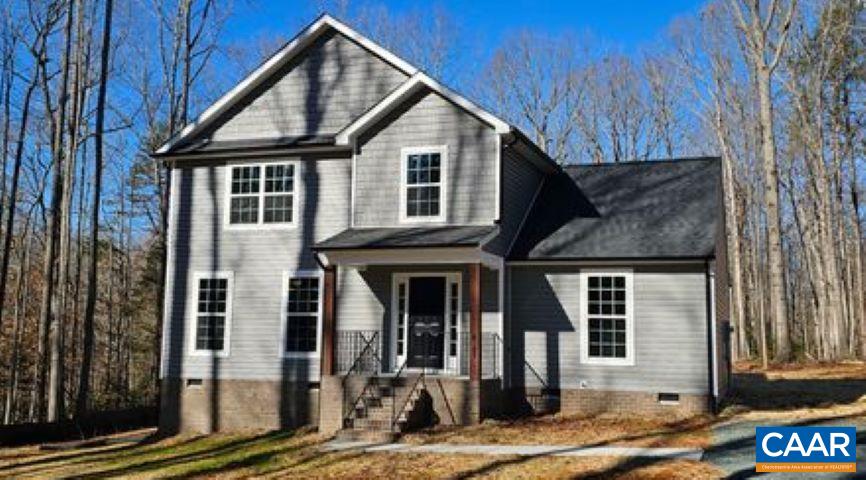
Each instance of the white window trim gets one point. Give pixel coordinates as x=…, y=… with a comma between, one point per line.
x=193, y=322
x=629, y=359
x=442, y=150
x=284, y=312
x=260, y=225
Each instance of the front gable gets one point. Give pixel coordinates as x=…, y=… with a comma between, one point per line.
x=312, y=87
x=333, y=81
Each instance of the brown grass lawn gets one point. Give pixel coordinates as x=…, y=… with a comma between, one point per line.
x=296, y=455
x=608, y=429
x=779, y=394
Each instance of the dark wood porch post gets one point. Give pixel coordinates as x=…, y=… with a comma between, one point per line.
x=475, y=322
x=329, y=320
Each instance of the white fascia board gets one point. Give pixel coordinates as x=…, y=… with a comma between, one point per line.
x=285, y=54
x=404, y=91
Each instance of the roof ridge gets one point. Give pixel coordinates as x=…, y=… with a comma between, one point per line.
x=648, y=162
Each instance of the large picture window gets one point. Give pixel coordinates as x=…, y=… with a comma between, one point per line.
x=607, y=329
x=261, y=194
x=212, y=313
x=423, y=191
x=301, y=307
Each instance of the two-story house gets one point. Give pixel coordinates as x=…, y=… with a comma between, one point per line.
x=353, y=244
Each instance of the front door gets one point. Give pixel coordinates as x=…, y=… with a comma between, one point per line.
x=426, y=323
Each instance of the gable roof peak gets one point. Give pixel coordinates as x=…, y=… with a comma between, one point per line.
x=307, y=35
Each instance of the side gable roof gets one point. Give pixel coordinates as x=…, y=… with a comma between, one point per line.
x=650, y=210
x=270, y=66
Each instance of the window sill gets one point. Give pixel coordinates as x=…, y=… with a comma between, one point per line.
x=422, y=220
x=209, y=353
x=608, y=362
x=257, y=227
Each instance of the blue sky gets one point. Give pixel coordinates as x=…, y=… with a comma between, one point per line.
x=623, y=24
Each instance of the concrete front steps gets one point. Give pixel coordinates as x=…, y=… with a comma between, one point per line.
x=382, y=399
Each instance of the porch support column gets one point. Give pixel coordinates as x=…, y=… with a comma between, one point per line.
x=329, y=320
x=475, y=322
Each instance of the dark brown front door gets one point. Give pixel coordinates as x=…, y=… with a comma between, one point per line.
x=426, y=322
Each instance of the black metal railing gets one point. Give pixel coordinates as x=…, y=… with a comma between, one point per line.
x=491, y=346
x=358, y=352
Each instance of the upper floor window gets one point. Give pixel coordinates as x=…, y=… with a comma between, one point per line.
x=262, y=194
x=423, y=184
x=212, y=312
x=607, y=326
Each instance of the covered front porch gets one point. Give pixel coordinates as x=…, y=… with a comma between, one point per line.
x=419, y=324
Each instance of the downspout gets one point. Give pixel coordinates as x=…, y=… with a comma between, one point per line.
x=711, y=336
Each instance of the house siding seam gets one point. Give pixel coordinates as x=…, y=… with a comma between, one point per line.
x=670, y=317
x=257, y=258
x=327, y=86
x=427, y=119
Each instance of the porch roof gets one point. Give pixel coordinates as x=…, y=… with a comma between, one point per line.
x=409, y=237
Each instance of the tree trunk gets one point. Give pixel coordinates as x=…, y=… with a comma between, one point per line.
x=90, y=307
x=777, y=296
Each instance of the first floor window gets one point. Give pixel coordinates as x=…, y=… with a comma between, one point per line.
x=212, y=313
x=302, y=314
x=607, y=317
x=262, y=194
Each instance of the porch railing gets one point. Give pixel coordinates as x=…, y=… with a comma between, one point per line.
x=363, y=352
x=491, y=347
x=359, y=352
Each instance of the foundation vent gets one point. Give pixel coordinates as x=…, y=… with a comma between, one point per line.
x=669, y=398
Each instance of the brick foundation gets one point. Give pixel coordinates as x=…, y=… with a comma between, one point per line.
x=586, y=401
x=231, y=405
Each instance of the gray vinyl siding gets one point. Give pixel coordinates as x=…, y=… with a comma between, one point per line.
x=427, y=119
x=320, y=92
x=520, y=182
x=364, y=298
x=257, y=258
x=670, y=315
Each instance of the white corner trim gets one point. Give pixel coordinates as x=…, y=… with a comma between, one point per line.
x=170, y=271
x=711, y=271
x=442, y=150
x=629, y=359
x=260, y=224
x=497, y=209
x=284, y=310
x=404, y=91
x=285, y=54
x=192, y=324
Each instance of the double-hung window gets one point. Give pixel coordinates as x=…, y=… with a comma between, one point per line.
x=301, y=313
x=607, y=317
x=212, y=313
x=262, y=194
x=423, y=174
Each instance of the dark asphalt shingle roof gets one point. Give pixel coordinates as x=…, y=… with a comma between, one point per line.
x=456, y=236
x=654, y=209
x=204, y=145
